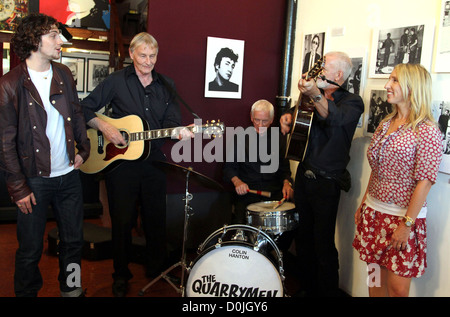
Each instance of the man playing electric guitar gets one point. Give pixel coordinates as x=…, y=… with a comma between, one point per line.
x=322, y=173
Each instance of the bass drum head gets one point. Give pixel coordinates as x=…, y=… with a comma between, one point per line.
x=234, y=271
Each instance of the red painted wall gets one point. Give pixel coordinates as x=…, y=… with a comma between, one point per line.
x=181, y=28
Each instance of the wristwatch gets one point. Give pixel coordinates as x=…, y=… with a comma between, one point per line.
x=408, y=221
x=317, y=98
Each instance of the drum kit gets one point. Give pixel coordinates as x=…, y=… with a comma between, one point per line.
x=235, y=260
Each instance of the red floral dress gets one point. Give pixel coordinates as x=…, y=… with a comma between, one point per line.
x=398, y=161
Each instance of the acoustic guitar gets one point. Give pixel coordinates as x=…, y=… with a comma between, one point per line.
x=297, y=140
x=105, y=155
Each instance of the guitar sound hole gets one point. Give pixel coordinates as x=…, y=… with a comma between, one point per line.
x=126, y=137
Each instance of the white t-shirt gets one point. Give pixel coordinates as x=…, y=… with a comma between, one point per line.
x=59, y=159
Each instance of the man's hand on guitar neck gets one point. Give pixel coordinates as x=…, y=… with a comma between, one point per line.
x=183, y=133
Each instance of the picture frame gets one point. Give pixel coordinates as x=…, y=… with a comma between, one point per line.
x=11, y=12
x=224, y=56
x=356, y=80
x=441, y=112
x=77, y=65
x=97, y=71
x=442, y=56
x=309, y=45
x=410, y=43
x=378, y=108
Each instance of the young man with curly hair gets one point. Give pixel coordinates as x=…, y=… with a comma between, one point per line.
x=43, y=142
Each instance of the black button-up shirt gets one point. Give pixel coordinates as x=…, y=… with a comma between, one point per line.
x=330, y=138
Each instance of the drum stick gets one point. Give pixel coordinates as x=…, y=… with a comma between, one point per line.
x=259, y=192
x=279, y=203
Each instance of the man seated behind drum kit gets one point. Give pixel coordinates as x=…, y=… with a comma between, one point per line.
x=247, y=176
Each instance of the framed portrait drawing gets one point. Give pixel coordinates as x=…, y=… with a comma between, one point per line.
x=98, y=70
x=378, y=108
x=442, y=56
x=224, y=68
x=77, y=67
x=313, y=49
x=407, y=44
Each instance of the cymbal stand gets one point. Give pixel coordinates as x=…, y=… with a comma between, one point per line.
x=187, y=213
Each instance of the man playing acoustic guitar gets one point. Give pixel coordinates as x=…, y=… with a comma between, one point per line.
x=322, y=173
x=136, y=90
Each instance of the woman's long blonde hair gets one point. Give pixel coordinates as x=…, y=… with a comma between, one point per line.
x=416, y=85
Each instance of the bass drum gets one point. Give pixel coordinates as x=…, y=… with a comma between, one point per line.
x=237, y=261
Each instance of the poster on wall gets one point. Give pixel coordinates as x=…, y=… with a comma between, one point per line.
x=10, y=12
x=98, y=70
x=355, y=82
x=378, y=109
x=442, y=57
x=76, y=66
x=224, y=68
x=441, y=112
x=313, y=50
x=406, y=44
x=78, y=13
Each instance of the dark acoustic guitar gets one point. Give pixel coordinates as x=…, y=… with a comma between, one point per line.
x=297, y=140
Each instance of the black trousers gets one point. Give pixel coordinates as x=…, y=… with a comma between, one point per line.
x=317, y=202
x=137, y=186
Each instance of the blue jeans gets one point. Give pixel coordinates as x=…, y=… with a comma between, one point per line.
x=64, y=194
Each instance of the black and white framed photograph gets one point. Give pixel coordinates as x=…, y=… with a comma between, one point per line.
x=77, y=67
x=355, y=80
x=442, y=56
x=224, y=68
x=441, y=112
x=406, y=44
x=313, y=50
x=379, y=108
x=98, y=70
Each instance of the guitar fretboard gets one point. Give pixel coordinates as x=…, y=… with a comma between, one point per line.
x=159, y=133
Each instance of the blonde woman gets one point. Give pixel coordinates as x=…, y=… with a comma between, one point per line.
x=404, y=154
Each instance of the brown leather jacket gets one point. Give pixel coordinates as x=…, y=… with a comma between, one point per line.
x=24, y=146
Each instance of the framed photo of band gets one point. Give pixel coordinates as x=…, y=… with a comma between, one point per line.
x=412, y=43
x=378, y=108
x=97, y=71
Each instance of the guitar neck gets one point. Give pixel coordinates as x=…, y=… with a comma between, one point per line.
x=159, y=133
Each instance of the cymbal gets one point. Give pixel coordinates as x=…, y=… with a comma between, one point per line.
x=196, y=176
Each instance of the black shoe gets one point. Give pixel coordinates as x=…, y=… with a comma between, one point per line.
x=120, y=288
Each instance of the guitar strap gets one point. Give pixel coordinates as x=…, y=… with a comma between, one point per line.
x=173, y=92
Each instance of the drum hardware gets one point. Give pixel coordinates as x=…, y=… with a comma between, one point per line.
x=188, y=212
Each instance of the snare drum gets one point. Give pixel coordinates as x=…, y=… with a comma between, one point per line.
x=273, y=220
x=235, y=261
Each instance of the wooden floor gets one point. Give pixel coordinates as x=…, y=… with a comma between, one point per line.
x=96, y=274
